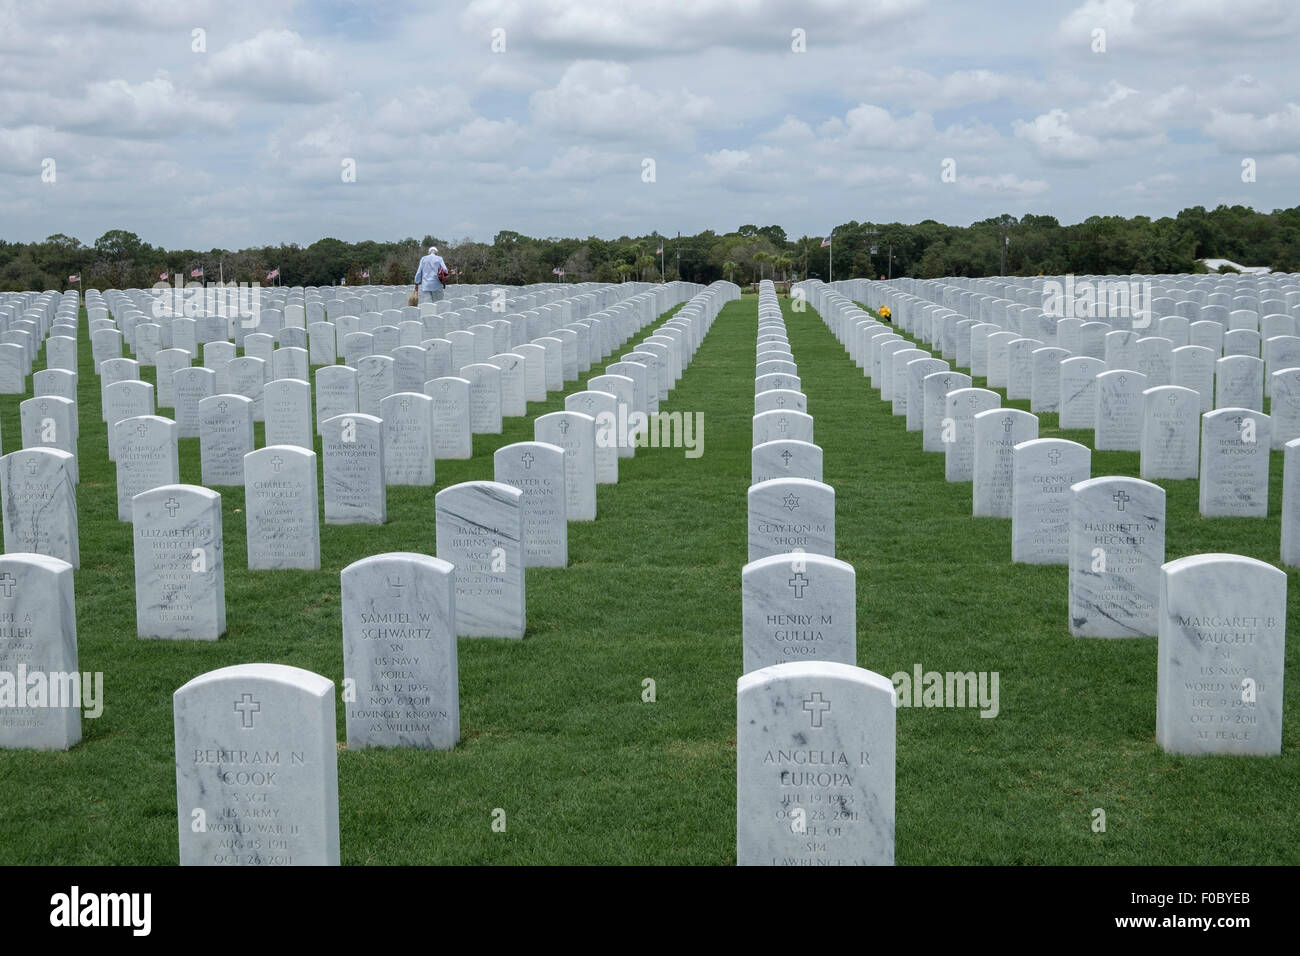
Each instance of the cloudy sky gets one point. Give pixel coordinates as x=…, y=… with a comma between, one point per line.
x=238, y=122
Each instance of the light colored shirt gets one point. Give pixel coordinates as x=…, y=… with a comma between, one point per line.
x=426, y=277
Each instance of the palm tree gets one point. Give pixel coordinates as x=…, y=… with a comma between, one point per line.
x=783, y=262
x=761, y=258
x=802, y=248
x=642, y=264
x=729, y=268
x=624, y=271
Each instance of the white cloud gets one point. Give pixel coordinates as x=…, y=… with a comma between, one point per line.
x=1054, y=138
x=275, y=66
x=726, y=162
x=874, y=126
x=423, y=110
x=1276, y=132
x=1168, y=27
x=1002, y=184
x=598, y=100
x=570, y=28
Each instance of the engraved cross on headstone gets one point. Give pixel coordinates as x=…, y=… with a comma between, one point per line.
x=782, y=424
x=1008, y=423
x=172, y=506
x=221, y=407
x=1054, y=456
x=32, y=466
x=527, y=460
x=246, y=707
x=815, y=706
x=563, y=426
x=798, y=583
x=786, y=456
x=7, y=583
x=142, y=429
x=277, y=463
x=1120, y=497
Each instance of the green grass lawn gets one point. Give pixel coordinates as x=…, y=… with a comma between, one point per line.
x=555, y=731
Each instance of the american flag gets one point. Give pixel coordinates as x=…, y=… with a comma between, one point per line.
x=826, y=242
x=75, y=278
x=196, y=273
x=162, y=276
x=273, y=274
x=365, y=274
x=659, y=251
x=558, y=271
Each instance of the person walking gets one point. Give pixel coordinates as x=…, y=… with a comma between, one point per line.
x=431, y=276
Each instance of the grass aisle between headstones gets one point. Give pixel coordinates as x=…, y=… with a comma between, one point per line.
x=1076, y=729
x=554, y=728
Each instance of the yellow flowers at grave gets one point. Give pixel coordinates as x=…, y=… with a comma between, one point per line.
x=884, y=312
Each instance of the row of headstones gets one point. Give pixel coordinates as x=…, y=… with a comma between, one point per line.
x=1227, y=449
x=453, y=334
x=299, y=307
x=26, y=320
x=280, y=487
x=533, y=370
x=814, y=730
x=405, y=696
x=565, y=352
x=1056, y=381
x=125, y=397
x=482, y=529
x=1111, y=533
x=1037, y=307
x=1225, y=371
x=155, y=322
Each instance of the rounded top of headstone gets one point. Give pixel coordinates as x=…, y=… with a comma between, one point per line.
x=42, y=561
x=801, y=558
x=808, y=483
x=496, y=488
x=282, y=674
x=405, y=557
x=824, y=670
x=1195, y=561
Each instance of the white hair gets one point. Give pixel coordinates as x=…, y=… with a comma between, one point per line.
x=433, y=250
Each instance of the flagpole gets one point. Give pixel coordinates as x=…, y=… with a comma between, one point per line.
x=830, y=255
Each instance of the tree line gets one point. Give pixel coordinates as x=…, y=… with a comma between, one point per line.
x=1025, y=245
